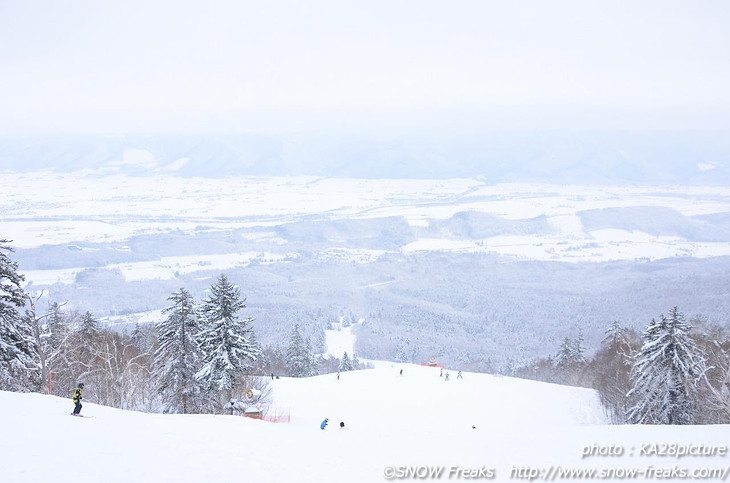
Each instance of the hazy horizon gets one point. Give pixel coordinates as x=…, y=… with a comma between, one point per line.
x=225, y=66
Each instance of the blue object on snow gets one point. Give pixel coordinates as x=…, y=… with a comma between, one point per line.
x=324, y=423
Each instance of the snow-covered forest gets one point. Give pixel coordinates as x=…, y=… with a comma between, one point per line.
x=501, y=272
x=490, y=309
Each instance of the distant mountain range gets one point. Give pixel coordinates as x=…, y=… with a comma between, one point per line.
x=603, y=157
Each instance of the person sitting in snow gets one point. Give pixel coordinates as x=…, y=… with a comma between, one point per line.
x=77, y=399
x=324, y=423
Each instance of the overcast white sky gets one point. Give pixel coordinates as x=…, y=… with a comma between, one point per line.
x=201, y=65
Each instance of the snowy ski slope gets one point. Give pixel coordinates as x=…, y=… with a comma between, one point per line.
x=394, y=424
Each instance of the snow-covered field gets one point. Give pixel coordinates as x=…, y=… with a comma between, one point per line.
x=48, y=208
x=165, y=268
x=415, y=422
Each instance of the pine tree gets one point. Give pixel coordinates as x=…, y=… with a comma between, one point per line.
x=346, y=364
x=615, y=334
x=16, y=341
x=403, y=350
x=84, y=341
x=579, y=349
x=565, y=353
x=55, y=330
x=143, y=338
x=89, y=328
x=177, y=358
x=11, y=293
x=570, y=362
x=571, y=352
x=666, y=371
x=226, y=341
x=299, y=358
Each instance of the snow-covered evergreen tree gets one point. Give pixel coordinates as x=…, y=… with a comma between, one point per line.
x=570, y=362
x=404, y=351
x=89, y=328
x=571, y=352
x=84, y=342
x=299, y=358
x=16, y=340
x=177, y=358
x=55, y=330
x=224, y=339
x=615, y=334
x=144, y=337
x=666, y=373
x=11, y=293
x=346, y=364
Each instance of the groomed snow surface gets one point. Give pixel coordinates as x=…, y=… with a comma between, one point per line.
x=393, y=422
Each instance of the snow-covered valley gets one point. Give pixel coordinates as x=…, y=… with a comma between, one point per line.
x=119, y=245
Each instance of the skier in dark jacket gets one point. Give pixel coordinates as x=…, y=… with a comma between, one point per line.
x=77, y=399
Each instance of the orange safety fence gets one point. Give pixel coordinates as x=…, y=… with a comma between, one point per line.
x=284, y=418
x=272, y=418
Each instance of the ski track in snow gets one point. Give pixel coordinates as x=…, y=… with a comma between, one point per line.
x=339, y=341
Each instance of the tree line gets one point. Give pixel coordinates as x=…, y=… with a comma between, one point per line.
x=675, y=372
x=197, y=358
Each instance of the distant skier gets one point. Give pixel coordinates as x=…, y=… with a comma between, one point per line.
x=77, y=399
x=342, y=425
x=446, y=377
x=401, y=372
x=442, y=372
x=324, y=423
x=459, y=376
